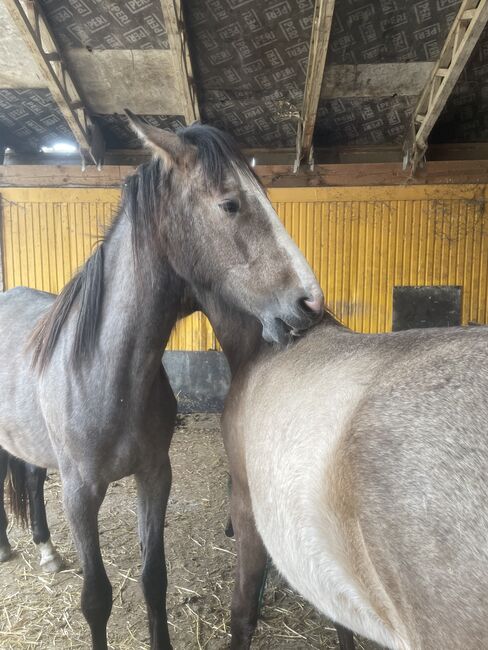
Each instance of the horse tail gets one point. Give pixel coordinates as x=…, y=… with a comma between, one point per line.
x=17, y=490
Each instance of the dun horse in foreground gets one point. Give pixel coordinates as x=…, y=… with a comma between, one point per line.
x=81, y=380
x=361, y=462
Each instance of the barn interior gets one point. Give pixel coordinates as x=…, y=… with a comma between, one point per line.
x=367, y=122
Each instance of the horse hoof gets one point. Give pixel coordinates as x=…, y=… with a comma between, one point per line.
x=5, y=553
x=53, y=563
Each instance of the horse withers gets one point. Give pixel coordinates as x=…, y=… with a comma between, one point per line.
x=80, y=374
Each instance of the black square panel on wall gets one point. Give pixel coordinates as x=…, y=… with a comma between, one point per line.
x=419, y=307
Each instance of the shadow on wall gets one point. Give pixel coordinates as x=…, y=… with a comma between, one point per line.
x=200, y=380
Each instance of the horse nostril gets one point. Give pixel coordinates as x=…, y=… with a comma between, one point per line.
x=315, y=305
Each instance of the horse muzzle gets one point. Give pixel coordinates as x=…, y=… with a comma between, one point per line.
x=287, y=323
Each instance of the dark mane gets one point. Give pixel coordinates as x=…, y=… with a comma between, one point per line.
x=141, y=202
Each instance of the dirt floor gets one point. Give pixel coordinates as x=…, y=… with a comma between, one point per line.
x=38, y=610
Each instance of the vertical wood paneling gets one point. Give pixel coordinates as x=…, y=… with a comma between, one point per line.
x=361, y=243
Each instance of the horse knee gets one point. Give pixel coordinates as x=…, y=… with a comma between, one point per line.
x=154, y=584
x=96, y=601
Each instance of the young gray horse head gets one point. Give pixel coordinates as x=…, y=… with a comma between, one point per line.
x=222, y=235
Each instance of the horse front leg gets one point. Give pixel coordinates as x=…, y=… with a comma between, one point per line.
x=153, y=488
x=82, y=501
x=50, y=560
x=5, y=548
x=250, y=572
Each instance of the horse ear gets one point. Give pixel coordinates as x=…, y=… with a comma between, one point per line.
x=165, y=144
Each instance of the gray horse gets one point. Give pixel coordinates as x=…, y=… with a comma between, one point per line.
x=80, y=375
x=360, y=462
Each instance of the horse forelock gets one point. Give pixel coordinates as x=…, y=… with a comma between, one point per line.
x=218, y=154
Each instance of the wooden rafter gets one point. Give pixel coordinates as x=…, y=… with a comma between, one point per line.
x=178, y=43
x=319, y=43
x=461, y=40
x=446, y=172
x=39, y=38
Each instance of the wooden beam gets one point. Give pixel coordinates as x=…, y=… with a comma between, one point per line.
x=350, y=154
x=39, y=38
x=319, y=43
x=374, y=174
x=178, y=43
x=449, y=172
x=63, y=176
x=461, y=40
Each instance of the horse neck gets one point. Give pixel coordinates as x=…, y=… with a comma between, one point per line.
x=140, y=300
x=238, y=334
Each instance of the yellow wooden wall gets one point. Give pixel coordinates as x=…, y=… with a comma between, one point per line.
x=360, y=241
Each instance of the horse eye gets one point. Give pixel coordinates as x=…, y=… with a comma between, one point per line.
x=231, y=206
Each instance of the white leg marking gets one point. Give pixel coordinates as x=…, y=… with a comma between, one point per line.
x=51, y=561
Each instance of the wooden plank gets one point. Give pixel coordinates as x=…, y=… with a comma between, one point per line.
x=327, y=175
x=351, y=154
x=466, y=29
x=319, y=43
x=178, y=43
x=39, y=38
x=376, y=174
x=62, y=176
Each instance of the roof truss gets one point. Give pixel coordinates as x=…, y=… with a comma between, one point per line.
x=461, y=40
x=37, y=35
x=319, y=42
x=178, y=42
